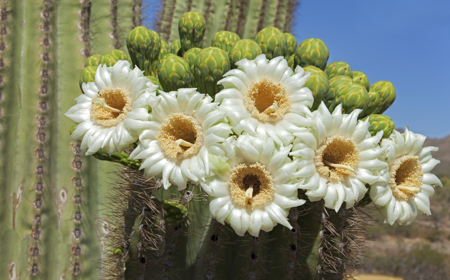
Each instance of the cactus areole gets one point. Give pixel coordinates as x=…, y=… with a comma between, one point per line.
x=247, y=151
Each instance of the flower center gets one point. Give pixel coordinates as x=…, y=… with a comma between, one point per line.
x=337, y=158
x=405, y=177
x=180, y=136
x=110, y=107
x=251, y=185
x=267, y=101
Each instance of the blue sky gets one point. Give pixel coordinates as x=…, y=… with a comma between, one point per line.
x=404, y=42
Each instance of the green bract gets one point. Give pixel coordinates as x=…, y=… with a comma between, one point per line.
x=225, y=40
x=318, y=84
x=191, y=27
x=209, y=67
x=361, y=78
x=338, y=68
x=174, y=73
x=245, y=48
x=291, y=45
x=143, y=46
x=272, y=42
x=380, y=122
x=312, y=52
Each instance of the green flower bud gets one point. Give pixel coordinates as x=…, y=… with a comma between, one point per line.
x=209, y=67
x=88, y=75
x=380, y=122
x=272, y=42
x=312, y=52
x=245, y=48
x=93, y=60
x=361, y=78
x=291, y=45
x=119, y=54
x=337, y=85
x=291, y=62
x=317, y=83
x=338, y=68
x=191, y=27
x=175, y=212
x=174, y=73
x=143, y=46
x=117, y=251
x=109, y=60
x=225, y=40
x=353, y=97
x=190, y=57
x=386, y=93
x=175, y=48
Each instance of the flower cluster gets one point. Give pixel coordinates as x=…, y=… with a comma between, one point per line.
x=254, y=145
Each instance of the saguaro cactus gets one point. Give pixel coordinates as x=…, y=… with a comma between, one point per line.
x=51, y=194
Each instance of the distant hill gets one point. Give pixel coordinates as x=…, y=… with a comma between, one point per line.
x=443, y=168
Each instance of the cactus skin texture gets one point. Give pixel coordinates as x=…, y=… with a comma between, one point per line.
x=386, y=92
x=209, y=66
x=272, y=42
x=291, y=45
x=174, y=73
x=361, y=78
x=175, y=48
x=245, y=48
x=338, y=68
x=143, y=46
x=318, y=84
x=225, y=40
x=380, y=122
x=191, y=27
x=312, y=52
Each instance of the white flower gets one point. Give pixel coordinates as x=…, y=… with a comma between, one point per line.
x=265, y=97
x=184, y=138
x=408, y=183
x=259, y=191
x=112, y=111
x=338, y=157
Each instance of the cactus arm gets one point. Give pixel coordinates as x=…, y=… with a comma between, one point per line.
x=100, y=27
x=124, y=21
x=167, y=20
x=251, y=21
x=289, y=16
x=282, y=14
x=232, y=15
x=198, y=6
x=267, y=14
x=180, y=8
x=218, y=13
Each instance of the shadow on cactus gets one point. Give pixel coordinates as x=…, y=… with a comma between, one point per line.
x=250, y=155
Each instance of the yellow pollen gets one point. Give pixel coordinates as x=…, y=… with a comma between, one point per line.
x=405, y=177
x=180, y=136
x=267, y=101
x=111, y=106
x=251, y=185
x=337, y=158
